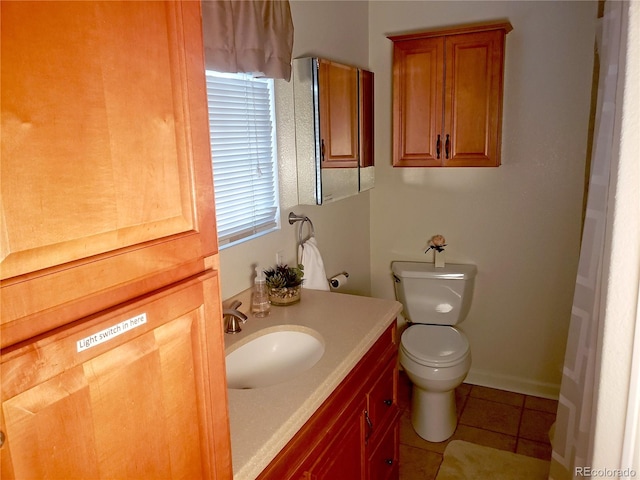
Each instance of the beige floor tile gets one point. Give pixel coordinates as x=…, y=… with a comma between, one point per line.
x=463, y=390
x=497, y=417
x=535, y=425
x=534, y=449
x=462, y=394
x=418, y=464
x=487, y=438
x=495, y=395
x=541, y=404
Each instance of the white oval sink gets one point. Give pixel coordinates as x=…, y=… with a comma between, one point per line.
x=273, y=358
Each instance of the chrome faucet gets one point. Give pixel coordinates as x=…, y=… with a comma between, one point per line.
x=232, y=318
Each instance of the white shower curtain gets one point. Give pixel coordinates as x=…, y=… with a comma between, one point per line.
x=583, y=412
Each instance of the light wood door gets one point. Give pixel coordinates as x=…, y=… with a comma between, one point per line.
x=106, y=173
x=338, y=86
x=418, y=76
x=473, y=99
x=138, y=392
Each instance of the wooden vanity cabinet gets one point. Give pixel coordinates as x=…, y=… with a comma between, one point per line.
x=447, y=97
x=354, y=434
x=108, y=242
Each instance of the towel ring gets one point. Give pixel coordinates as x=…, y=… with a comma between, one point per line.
x=312, y=232
x=293, y=218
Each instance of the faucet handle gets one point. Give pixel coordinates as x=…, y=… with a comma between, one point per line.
x=233, y=317
x=232, y=326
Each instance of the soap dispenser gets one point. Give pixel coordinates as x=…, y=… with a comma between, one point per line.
x=260, y=306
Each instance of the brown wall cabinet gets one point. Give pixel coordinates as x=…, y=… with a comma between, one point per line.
x=112, y=356
x=447, y=97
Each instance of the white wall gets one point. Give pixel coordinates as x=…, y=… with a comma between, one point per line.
x=336, y=31
x=519, y=223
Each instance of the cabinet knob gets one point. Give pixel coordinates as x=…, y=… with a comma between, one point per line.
x=388, y=402
x=438, y=147
x=389, y=461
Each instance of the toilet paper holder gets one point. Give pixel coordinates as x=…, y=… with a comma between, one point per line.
x=337, y=280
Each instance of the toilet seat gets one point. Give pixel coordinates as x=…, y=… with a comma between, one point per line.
x=434, y=345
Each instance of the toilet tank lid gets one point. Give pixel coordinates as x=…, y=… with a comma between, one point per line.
x=451, y=271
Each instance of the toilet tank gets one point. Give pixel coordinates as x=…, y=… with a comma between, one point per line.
x=438, y=296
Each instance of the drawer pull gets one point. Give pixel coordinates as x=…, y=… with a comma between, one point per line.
x=1, y=438
x=369, y=425
x=446, y=147
x=388, y=402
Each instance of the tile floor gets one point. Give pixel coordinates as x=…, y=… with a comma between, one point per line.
x=486, y=416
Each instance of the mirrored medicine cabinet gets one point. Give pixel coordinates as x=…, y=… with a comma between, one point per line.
x=333, y=109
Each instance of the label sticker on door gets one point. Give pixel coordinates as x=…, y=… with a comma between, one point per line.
x=111, y=332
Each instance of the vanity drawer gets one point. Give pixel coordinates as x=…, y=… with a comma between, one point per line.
x=384, y=462
x=382, y=399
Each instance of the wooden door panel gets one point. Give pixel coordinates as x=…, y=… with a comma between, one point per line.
x=473, y=98
x=418, y=79
x=128, y=394
x=382, y=398
x=52, y=417
x=104, y=154
x=344, y=457
x=338, y=115
x=384, y=461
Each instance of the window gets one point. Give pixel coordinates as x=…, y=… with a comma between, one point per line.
x=243, y=148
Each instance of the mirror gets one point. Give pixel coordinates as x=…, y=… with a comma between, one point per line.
x=333, y=105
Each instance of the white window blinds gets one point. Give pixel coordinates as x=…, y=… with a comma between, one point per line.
x=243, y=148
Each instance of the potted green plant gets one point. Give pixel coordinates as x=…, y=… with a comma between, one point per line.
x=284, y=284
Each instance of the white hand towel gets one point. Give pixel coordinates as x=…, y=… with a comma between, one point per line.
x=314, y=277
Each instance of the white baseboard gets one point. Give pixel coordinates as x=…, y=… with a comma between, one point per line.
x=513, y=384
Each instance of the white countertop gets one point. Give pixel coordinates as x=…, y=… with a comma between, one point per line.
x=263, y=420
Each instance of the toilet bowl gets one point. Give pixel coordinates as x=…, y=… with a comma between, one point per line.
x=436, y=359
x=435, y=355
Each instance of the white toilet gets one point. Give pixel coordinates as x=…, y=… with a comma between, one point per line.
x=434, y=354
